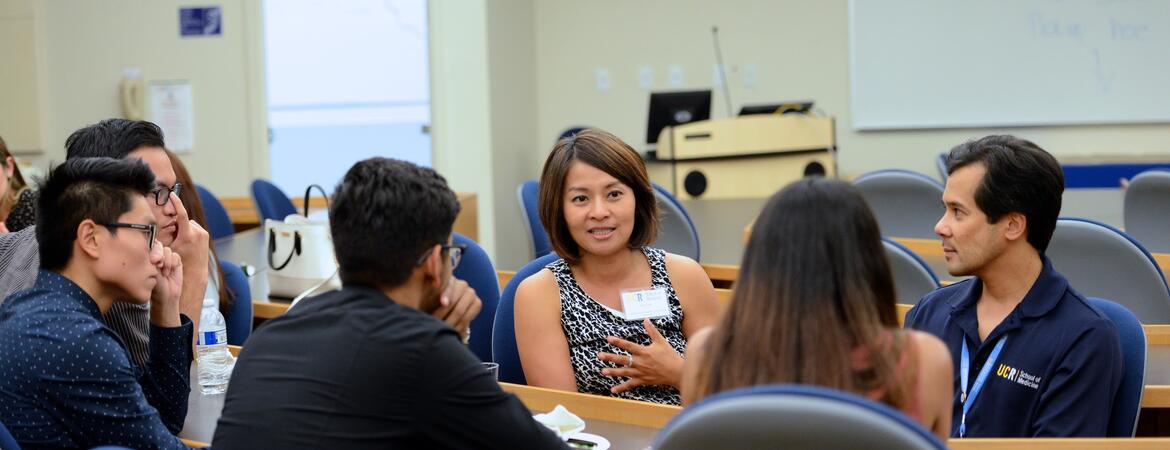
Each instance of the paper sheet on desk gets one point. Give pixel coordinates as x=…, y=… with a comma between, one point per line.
x=561, y=421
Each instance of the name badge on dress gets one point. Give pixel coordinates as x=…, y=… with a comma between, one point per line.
x=645, y=303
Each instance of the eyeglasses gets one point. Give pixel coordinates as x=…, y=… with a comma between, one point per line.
x=455, y=251
x=162, y=194
x=148, y=228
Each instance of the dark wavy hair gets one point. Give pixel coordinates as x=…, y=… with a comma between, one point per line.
x=1021, y=177
x=384, y=215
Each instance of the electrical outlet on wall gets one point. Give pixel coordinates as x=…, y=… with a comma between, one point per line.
x=674, y=76
x=750, y=77
x=646, y=77
x=603, y=81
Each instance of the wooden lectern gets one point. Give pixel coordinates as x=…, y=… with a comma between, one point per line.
x=743, y=157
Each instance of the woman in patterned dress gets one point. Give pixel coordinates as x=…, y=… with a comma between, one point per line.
x=598, y=207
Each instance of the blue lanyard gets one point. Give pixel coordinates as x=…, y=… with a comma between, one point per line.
x=964, y=370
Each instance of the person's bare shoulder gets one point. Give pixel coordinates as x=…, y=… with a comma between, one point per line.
x=536, y=289
x=687, y=273
x=696, y=344
x=933, y=354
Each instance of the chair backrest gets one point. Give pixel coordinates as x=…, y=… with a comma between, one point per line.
x=271, y=202
x=529, y=194
x=798, y=416
x=1102, y=261
x=940, y=163
x=676, y=230
x=1127, y=403
x=239, y=316
x=219, y=224
x=477, y=270
x=1147, y=210
x=906, y=204
x=912, y=275
x=572, y=131
x=7, y=441
x=504, y=350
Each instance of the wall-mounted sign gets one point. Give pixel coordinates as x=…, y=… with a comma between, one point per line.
x=201, y=21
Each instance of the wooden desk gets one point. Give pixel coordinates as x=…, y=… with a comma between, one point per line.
x=633, y=425
x=643, y=420
x=242, y=212
x=627, y=424
x=1060, y=444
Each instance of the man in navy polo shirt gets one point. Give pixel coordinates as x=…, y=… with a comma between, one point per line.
x=1032, y=356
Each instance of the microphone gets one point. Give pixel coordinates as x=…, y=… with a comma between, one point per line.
x=722, y=70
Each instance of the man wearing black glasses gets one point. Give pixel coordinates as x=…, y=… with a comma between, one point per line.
x=66, y=381
x=138, y=139
x=372, y=365
x=127, y=139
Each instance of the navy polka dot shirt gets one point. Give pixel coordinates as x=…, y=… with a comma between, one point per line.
x=66, y=380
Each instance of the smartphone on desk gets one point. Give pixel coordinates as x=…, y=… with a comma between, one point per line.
x=577, y=443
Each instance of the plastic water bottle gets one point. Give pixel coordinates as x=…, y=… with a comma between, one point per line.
x=214, y=360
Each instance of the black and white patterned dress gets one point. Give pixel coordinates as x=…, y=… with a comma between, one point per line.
x=586, y=324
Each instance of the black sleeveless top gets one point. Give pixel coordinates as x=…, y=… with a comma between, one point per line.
x=586, y=324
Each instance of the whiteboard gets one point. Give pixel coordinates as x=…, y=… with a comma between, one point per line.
x=956, y=63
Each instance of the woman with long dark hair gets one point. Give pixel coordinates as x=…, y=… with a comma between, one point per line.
x=17, y=200
x=815, y=304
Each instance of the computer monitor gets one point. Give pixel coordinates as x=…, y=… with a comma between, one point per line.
x=676, y=108
x=801, y=107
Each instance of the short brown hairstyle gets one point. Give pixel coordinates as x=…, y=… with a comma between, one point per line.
x=609, y=154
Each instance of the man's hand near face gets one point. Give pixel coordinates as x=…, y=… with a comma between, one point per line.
x=164, y=299
x=458, y=305
x=192, y=243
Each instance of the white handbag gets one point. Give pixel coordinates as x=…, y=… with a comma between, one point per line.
x=300, y=255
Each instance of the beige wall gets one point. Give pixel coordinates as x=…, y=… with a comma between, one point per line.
x=512, y=73
x=507, y=76
x=799, y=49
x=20, y=107
x=86, y=46
x=460, y=105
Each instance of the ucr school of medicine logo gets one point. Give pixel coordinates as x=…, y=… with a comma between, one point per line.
x=1018, y=376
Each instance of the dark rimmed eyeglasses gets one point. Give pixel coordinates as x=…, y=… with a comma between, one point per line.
x=455, y=251
x=162, y=194
x=147, y=228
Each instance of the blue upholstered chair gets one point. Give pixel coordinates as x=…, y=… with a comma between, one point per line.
x=219, y=224
x=676, y=231
x=477, y=270
x=239, y=317
x=504, y=350
x=7, y=441
x=529, y=196
x=1102, y=261
x=912, y=275
x=1147, y=210
x=792, y=416
x=940, y=163
x=271, y=202
x=906, y=204
x=1128, y=401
